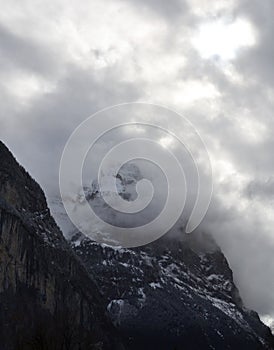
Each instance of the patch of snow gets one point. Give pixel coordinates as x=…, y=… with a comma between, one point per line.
x=115, y=308
x=77, y=243
x=124, y=264
x=155, y=285
x=142, y=298
x=213, y=277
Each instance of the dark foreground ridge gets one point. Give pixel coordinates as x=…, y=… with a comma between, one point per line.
x=47, y=299
x=167, y=295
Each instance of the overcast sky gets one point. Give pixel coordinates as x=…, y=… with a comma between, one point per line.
x=212, y=61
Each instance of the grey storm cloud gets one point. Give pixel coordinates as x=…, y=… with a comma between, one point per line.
x=61, y=66
x=258, y=63
x=51, y=119
x=167, y=9
x=263, y=190
x=20, y=53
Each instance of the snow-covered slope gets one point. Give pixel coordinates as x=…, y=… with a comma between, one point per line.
x=175, y=293
x=171, y=295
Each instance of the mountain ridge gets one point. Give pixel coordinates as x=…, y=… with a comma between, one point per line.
x=58, y=295
x=47, y=298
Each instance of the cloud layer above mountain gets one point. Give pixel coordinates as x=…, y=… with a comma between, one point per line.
x=210, y=61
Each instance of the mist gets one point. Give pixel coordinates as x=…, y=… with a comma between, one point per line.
x=61, y=63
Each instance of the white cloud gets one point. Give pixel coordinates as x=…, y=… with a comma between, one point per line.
x=223, y=38
x=65, y=60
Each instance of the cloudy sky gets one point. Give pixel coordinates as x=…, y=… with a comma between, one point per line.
x=211, y=61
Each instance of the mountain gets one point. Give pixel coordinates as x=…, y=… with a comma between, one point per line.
x=175, y=293
x=47, y=299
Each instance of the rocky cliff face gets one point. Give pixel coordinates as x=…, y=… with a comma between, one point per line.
x=171, y=294
x=176, y=293
x=47, y=299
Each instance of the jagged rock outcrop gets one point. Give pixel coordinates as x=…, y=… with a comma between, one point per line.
x=175, y=293
x=47, y=299
x=171, y=294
